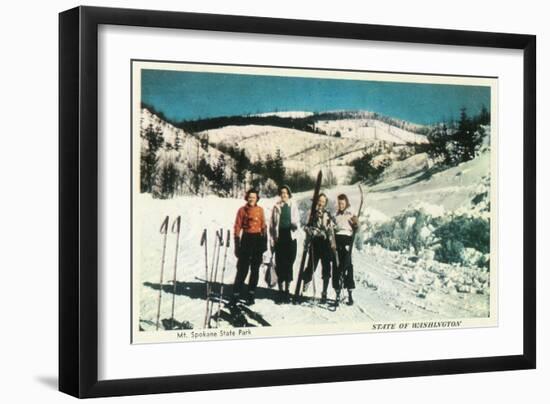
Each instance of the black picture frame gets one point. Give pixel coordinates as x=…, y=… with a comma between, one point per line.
x=78, y=200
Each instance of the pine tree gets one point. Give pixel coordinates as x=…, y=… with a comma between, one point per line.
x=168, y=180
x=242, y=164
x=152, y=140
x=204, y=142
x=438, y=138
x=484, y=117
x=468, y=138
x=177, y=142
x=258, y=166
x=365, y=169
x=268, y=166
x=460, y=142
x=221, y=184
x=278, y=169
x=204, y=169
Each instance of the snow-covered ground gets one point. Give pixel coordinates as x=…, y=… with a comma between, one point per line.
x=391, y=286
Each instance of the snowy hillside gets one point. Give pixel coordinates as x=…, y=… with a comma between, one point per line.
x=361, y=129
x=301, y=150
x=337, y=143
x=180, y=148
x=450, y=189
x=190, y=145
x=330, y=144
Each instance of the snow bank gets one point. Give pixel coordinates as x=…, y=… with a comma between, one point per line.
x=412, y=165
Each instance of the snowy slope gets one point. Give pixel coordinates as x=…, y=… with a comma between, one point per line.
x=369, y=129
x=450, y=189
x=190, y=146
x=303, y=151
x=188, y=153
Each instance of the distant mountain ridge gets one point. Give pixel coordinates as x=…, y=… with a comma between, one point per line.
x=301, y=120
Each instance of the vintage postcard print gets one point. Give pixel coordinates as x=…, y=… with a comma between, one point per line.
x=271, y=201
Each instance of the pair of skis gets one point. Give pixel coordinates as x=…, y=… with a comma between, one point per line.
x=212, y=278
x=307, y=241
x=176, y=229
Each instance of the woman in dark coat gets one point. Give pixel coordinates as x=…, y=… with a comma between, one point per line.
x=285, y=220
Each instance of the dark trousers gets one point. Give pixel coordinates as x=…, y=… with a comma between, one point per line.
x=250, y=257
x=319, y=250
x=285, y=255
x=344, y=272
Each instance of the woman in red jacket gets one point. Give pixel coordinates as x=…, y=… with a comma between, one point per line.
x=250, y=244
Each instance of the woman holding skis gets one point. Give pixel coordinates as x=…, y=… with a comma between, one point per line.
x=346, y=224
x=285, y=220
x=321, y=245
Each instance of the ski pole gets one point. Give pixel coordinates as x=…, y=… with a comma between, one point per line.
x=219, y=234
x=314, y=267
x=220, y=245
x=354, y=234
x=163, y=230
x=204, y=241
x=227, y=242
x=176, y=227
x=209, y=279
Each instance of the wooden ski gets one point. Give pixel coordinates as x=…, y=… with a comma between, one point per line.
x=316, y=192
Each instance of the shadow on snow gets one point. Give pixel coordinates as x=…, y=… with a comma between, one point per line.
x=238, y=315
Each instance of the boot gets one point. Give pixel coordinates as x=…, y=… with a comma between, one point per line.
x=251, y=299
x=281, y=295
x=350, y=298
x=287, y=292
x=337, y=300
x=234, y=300
x=324, y=297
x=305, y=287
x=324, y=293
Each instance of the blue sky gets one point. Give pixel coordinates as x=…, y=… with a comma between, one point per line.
x=192, y=95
